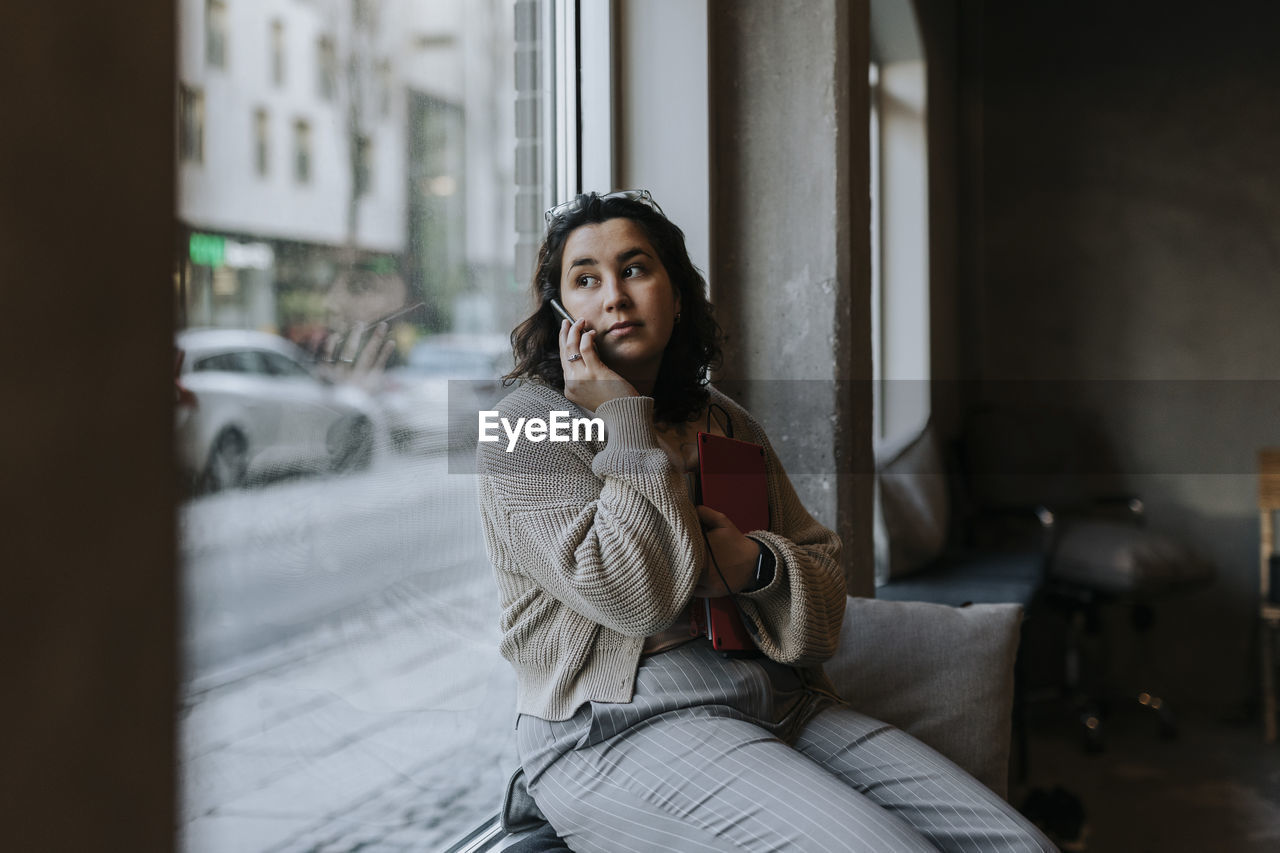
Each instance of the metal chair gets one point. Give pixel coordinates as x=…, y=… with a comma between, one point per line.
x=1101, y=553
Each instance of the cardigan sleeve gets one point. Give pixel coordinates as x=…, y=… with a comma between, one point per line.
x=610, y=534
x=797, y=617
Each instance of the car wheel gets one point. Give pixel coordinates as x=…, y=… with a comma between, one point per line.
x=228, y=465
x=351, y=444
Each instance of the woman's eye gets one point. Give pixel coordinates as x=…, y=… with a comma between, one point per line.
x=586, y=280
x=634, y=270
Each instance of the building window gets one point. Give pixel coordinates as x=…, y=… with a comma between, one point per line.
x=384, y=87
x=327, y=67
x=261, y=142
x=363, y=163
x=215, y=33
x=302, y=151
x=191, y=125
x=364, y=14
x=277, y=52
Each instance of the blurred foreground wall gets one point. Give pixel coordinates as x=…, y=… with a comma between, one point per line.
x=86, y=373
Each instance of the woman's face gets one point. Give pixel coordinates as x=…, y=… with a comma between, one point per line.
x=610, y=276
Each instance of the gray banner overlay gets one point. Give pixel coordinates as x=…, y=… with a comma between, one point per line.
x=1085, y=428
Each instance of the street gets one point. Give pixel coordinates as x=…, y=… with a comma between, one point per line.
x=262, y=565
x=343, y=687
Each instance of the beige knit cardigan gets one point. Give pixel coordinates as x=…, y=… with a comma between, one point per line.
x=596, y=545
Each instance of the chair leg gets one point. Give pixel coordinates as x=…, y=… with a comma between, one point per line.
x=1268, y=681
x=1142, y=617
x=1088, y=707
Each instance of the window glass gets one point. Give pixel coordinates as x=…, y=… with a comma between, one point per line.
x=277, y=52
x=327, y=67
x=302, y=151
x=226, y=362
x=384, y=88
x=279, y=365
x=342, y=685
x=215, y=33
x=261, y=142
x=254, y=362
x=364, y=163
x=190, y=124
x=899, y=221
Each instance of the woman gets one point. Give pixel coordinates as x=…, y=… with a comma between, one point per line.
x=633, y=734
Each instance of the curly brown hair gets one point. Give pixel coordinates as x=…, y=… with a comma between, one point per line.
x=694, y=349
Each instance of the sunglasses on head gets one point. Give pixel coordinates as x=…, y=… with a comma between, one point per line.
x=576, y=203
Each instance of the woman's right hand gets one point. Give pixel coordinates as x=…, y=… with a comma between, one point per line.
x=588, y=381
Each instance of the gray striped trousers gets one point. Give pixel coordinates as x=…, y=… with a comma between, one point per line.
x=716, y=755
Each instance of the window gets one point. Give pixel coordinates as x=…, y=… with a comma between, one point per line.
x=900, y=222
x=261, y=142
x=277, y=53
x=384, y=87
x=227, y=362
x=900, y=320
x=279, y=365
x=342, y=681
x=302, y=151
x=327, y=68
x=215, y=33
x=191, y=124
x=363, y=163
x=364, y=14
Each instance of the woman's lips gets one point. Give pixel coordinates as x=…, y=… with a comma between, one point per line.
x=622, y=329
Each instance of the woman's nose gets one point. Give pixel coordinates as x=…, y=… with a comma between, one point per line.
x=614, y=294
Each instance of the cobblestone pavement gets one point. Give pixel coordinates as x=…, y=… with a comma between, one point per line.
x=384, y=730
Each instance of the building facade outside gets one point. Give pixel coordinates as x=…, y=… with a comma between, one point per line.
x=341, y=160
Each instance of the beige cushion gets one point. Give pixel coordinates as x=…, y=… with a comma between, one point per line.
x=914, y=505
x=942, y=674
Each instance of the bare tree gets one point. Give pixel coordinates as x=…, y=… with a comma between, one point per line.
x=355, y=77
x=350, y=63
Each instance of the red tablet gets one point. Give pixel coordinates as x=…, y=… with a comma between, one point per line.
x=732, y=480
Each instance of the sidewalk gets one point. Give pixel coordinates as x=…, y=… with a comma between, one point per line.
x=384, y=730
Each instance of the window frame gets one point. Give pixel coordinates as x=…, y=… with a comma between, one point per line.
x=583, y=38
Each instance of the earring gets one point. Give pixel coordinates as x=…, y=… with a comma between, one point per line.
x=677, y=317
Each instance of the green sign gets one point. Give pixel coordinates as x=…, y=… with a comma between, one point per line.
x=207, y=249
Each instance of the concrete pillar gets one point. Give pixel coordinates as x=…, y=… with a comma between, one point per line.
x=790, y=244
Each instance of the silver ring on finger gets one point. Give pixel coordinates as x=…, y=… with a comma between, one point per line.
x=577, y=356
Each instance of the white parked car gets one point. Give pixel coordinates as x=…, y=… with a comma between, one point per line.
x=251, y=406
x=415, y=396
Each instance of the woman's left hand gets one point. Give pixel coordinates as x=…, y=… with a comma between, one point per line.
x=735, y=553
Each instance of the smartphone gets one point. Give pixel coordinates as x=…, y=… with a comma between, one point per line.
x=555, y=303
x=399, y=313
